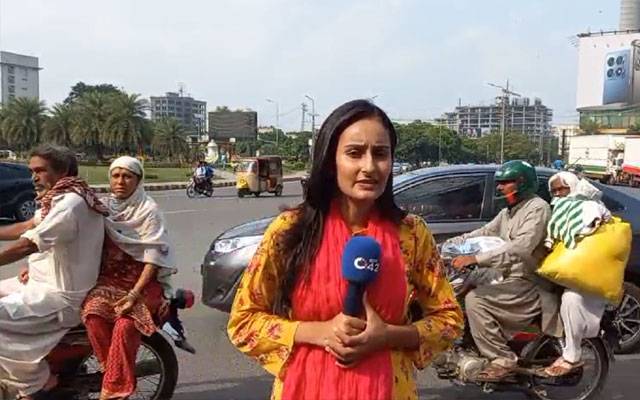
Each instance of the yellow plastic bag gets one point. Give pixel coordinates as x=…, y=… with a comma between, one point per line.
x=596, y=265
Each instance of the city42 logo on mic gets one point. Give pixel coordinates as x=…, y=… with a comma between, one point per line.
x=361, y=259
x=370, y=264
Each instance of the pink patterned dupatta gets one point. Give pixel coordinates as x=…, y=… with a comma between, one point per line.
x=311, y=372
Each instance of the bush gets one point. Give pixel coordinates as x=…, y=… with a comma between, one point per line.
x=147, y=164
x=295, y=165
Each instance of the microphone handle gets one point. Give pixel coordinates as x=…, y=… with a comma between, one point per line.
x=353, y=300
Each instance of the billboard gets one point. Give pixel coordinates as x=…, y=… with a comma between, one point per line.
x=608, y=69
x=226, y=124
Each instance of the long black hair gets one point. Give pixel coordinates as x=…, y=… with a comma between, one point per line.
x=301, y=241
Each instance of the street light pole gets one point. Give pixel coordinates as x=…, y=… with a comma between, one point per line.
x=505, y=98
x=276, y=128
x=313, y=115
x=439, y=145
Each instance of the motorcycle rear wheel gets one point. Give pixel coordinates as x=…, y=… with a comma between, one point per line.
x=593, y=375
x=191, y=191
x=157, y=363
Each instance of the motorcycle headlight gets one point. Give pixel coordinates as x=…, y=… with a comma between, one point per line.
x=228, y=245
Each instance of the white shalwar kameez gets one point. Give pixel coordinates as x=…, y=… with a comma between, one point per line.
x=34, y=317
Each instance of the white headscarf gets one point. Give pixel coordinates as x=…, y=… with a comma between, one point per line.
x=594, y=212
x=136, y=225
x=580, y=188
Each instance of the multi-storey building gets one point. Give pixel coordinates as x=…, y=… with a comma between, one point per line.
x=521, y=115
x=191, y=113
x=19, y=76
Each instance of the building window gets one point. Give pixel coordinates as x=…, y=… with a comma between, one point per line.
x=11, y=79
x=10, y=69
x=12, y=89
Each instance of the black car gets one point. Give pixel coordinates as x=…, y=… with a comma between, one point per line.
x=453, y=200
x=17, y=195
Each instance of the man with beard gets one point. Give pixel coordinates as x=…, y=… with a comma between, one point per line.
x=64, y=244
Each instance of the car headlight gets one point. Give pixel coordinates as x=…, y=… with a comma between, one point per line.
x=228, y=245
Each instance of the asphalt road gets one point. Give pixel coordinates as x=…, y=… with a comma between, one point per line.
x=218, y=371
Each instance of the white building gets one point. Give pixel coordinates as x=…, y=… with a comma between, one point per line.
x=19, y=76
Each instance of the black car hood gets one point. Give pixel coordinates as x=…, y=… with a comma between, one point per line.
x=253, y=228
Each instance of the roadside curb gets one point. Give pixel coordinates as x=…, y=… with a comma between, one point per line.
x=154, y=187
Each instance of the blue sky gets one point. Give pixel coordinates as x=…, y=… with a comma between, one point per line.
x=417, y=57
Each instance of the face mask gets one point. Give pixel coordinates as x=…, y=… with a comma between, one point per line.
x=511, y=198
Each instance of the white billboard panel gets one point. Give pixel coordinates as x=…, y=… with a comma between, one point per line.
x=608, y=69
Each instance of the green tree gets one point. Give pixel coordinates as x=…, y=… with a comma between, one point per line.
x=424, y=142
x=22, y=123
x=517, y=146
x=126, y=122
x=91, y=121
x=59, y=125
x=169, y=140
x=3, y=141
x=80, y=89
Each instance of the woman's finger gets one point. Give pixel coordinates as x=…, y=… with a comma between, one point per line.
x=335, y=354
x=352, y=324
x=343, y=337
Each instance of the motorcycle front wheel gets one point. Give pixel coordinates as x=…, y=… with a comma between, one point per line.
x=209, y=191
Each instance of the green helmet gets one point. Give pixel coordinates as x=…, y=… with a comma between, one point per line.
x=522, y=172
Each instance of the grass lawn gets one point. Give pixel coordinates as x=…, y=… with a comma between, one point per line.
x=99, y=174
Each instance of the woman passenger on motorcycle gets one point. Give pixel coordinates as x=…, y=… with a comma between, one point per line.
x=129, y=298
x=581, y=313
x=287, y=313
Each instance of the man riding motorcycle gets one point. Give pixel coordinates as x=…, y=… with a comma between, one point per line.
x=203, y=175
x=64, y=243
x=496, y=310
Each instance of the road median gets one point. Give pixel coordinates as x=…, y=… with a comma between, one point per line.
x=154, y=187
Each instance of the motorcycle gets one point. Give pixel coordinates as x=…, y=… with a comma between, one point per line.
x=78, y=370
x=199, y=187
x=535, y=351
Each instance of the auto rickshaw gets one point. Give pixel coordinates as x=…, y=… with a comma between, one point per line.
x=259, y=174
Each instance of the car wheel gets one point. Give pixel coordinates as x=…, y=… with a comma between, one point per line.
x=627, y=319
x=25, y=209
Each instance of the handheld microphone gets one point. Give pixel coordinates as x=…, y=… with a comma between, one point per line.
x=360, y=265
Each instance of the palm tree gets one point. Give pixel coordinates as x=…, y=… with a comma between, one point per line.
x=126, y=122
x=91, y=121
x=169, y=140
x=22, y=122
x=58, y=127
x=3, y=141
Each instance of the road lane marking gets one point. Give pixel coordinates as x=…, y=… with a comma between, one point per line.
x=180, y=211
x=627, y=357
